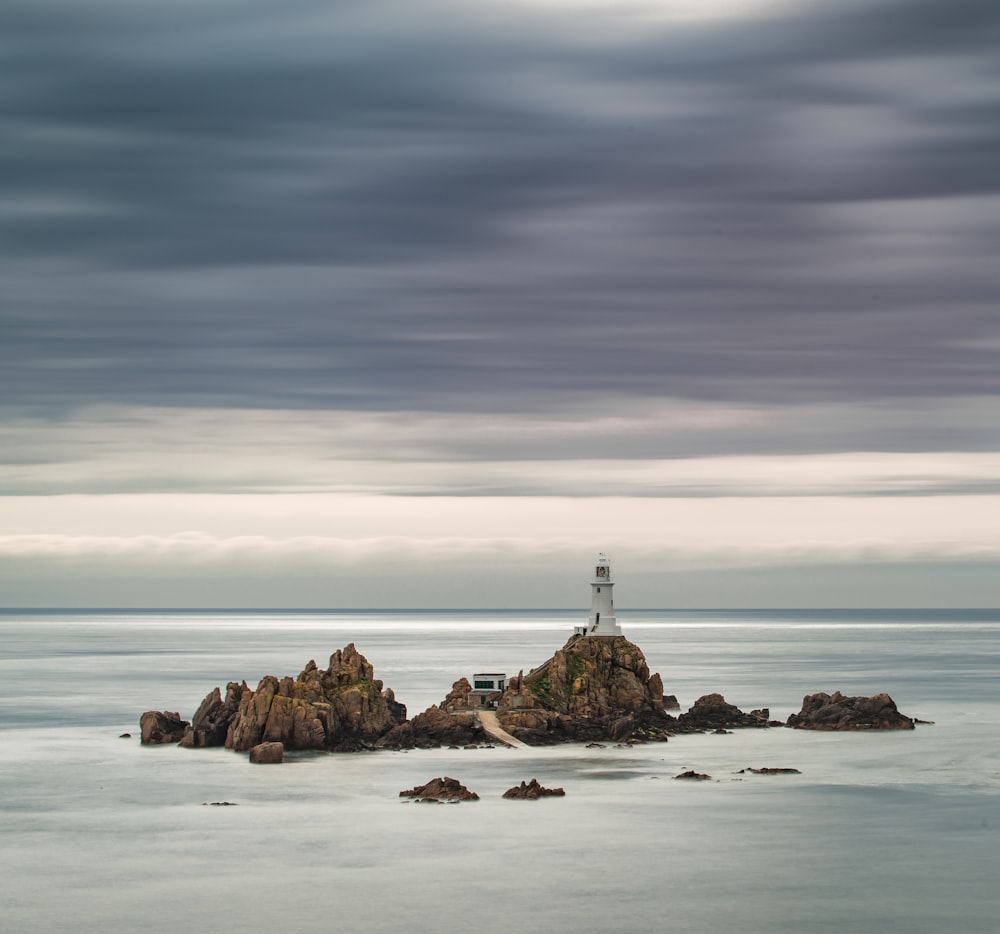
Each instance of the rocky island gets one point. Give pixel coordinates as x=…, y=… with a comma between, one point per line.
x=597, y=687
x=837, y=712
x=340, y=708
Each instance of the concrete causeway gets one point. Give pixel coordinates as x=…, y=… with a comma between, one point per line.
x=491, y=724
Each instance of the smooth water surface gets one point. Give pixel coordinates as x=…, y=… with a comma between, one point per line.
x=881, y=832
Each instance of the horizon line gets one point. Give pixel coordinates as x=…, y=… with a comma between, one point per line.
x=470, y=609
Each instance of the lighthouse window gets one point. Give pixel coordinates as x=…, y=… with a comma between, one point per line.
x=485, y=685
x=598, y=589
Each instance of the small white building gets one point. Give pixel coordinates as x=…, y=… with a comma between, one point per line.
x=486, y=688
x=601, y=621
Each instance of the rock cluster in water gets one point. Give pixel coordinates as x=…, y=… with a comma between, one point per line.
x=441, y=789
x=837, y=712
x=531, y=791
x=342, y=707
x=712, y=712
x=593, y=689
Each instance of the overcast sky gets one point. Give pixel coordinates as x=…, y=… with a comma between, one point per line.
x=426, y=302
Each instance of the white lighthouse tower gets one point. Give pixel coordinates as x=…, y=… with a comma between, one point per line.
x=602, y=620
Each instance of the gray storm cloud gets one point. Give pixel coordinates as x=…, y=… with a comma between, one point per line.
x=455, y=207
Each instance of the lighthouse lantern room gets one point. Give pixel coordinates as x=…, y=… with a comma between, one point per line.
x=602, y=620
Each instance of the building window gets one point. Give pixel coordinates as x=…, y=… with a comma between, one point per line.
x=598, y=589
x=485, y=686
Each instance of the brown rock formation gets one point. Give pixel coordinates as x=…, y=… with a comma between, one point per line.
x=342, y=707
x=161, y=726
x=837, y=712
x=211, y=721
x=711, y=712
x=692, y=775
x=441, y=789
x=531, y=791
x=591, y=689
x=436, y=727
x=268, y=753
x=458, y=697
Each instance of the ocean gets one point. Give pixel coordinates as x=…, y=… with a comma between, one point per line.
x=881, y=832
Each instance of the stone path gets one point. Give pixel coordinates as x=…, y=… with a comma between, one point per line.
x=492, y=726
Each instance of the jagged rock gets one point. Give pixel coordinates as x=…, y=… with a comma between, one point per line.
x=591, y=689
x=458, y=696
x=837, y=712
x=342, y=707
x=769, y=771
x=268, y=753
x=211, y=721
x=441, y=789
x=161, y=726
x=694, y=776
x=532, y=790
x=670, y=702
x=712, y=712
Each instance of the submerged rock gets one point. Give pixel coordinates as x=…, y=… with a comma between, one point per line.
x=769, y=771
x=692, y=775
x=161, y=726
x=441, y=789
x=837, y=712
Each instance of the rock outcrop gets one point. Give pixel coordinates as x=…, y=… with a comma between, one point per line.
x=692, y=775
x=436, y=727
x=211, y=721
x=458, y=696
x=837, y=712
x=530, y=791
x=268, y=754
x=161, y=726
x=341, y=707
x=441, y=789
x=591, y=689
x=711, y=712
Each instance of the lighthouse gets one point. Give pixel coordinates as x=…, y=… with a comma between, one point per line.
x=602, y=620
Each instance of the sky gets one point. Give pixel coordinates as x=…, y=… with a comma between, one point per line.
x=424, y=303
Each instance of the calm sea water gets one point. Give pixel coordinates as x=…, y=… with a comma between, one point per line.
x=880, y=832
